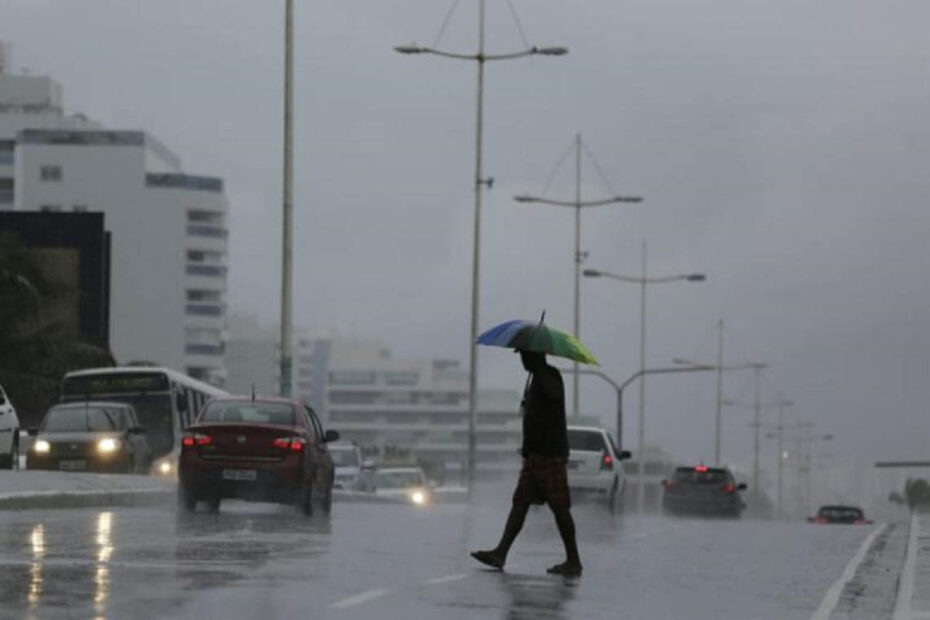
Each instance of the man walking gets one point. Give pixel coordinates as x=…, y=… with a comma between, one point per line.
x=543, y=477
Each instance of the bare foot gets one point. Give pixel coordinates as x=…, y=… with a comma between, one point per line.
x=568, y=569
x=490, y=558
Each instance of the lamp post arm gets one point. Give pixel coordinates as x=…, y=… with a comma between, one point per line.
x=651, y=280
x=482, y=57
x=577, y=204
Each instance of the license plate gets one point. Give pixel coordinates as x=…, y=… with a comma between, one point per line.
x=574, y=464
x=72, y=465
x=239, y=474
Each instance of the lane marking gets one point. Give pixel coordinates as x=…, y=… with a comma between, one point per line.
x=446, y=579
x=902, y=606
x=833, y=594
x=358, y=599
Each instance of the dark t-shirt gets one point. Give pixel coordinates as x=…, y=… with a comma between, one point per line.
x=544, y=426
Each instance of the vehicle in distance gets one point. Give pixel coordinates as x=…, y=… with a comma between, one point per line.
x=594, y=464
x=9, y=433
x=404, y=483
x=265, y=449
x=347, y=458
x=702, y=490
x=90, y=436
x=166, y=402
x=840, y=514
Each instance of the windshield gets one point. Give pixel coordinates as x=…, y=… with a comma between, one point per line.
x=250, y=412
x=587, y=441
x=344, y=457
x=398, y=479
x=83, y=419
x=840, y=513
x=688, y=475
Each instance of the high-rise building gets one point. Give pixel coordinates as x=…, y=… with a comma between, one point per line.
x=169, y=231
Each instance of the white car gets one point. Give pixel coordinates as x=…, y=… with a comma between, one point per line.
x=9, y=433
x=347, y=458
x=594, y=464
x=400, y=482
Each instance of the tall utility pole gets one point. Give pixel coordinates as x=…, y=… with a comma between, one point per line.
x=642, y=281
x=287, y=258
x=479, y=181
x=757, y=406
x=781, y=454
x=578, y=204
x=718, y=417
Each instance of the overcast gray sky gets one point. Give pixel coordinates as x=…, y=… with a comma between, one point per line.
x=781, y=148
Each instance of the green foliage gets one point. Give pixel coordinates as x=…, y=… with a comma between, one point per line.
x=36, y=345
x=917, y=493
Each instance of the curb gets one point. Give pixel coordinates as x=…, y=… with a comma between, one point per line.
x=84, y=499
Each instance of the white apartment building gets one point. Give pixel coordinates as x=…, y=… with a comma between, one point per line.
x=169, y=234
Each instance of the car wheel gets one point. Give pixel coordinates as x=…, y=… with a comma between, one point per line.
x=214, y=499
x=612, y=497
x=187, y=499
x=305, y=501
x=327, y=503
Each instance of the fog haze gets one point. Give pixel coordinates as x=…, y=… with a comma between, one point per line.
x=781, y=149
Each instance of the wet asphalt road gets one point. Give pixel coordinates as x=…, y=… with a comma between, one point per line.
x=396, y=561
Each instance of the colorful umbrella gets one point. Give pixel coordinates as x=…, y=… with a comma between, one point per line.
x=539, y=337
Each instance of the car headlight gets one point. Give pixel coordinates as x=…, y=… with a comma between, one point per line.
x=42, y=447
x=107, y=445
x=418, y=498
x=164, y=468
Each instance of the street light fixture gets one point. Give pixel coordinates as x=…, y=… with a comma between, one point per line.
x=481, y=58
x=642, y=281
x=577, y=204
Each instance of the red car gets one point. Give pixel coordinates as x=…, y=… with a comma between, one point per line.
x=257, y=449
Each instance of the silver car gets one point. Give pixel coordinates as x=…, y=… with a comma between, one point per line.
x=594, y=464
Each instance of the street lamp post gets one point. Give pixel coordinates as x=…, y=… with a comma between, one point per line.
x=642, y=281
x=287, y=258
x=757, y=406
x=480, y=58
x=720, y=368
x=577, y=204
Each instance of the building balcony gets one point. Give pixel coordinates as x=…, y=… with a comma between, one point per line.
x=193, y=348
x=215, y=310
x=207, y=230
x=205, y=270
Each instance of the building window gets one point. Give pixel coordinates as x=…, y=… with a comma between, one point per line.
x=204, y=309
x=204, y=217
x=50, y=208
x=6, y=190
x=401, y=378
x=352, y=377
x=50, y=173
x=204, y=295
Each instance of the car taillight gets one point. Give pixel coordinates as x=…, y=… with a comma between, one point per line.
x=196, y=439
x=701, y=469
x=859, y=522
x=820, y=520
x=295, y=444
x=729, y=487
x=669, y=485
x=607, y=462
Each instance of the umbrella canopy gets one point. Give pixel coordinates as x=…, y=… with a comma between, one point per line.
x=539, y=337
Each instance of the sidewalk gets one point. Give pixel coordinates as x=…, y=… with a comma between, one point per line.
x=53, y=489
x=913, y=601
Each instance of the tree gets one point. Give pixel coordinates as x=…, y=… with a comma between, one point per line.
x=917, y=493
x=37, y=343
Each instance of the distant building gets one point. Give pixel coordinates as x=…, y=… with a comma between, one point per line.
x=394, y=408
x=168, y=284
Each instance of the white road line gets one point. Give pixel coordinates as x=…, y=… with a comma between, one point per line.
x=358, y=599
x=833, y=594
x=902, y=606
x=446, y=579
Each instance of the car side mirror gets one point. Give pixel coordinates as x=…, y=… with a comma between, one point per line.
x=330, y=436
x=624, y=455
x=664, y=482
x=741, y=486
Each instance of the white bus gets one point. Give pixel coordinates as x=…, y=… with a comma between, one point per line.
x=166, y=402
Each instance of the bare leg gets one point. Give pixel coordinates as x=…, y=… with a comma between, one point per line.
x=566, y=525
x=497, y=556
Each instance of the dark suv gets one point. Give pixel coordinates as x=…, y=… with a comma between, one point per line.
x=702, y=490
